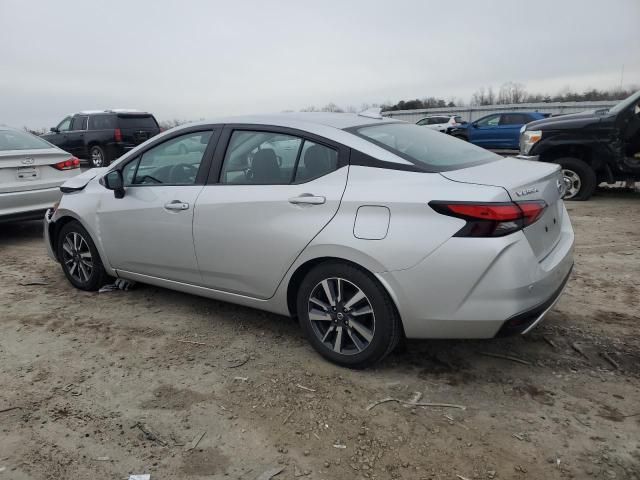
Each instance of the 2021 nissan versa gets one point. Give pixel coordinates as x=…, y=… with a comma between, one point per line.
x=364, y=227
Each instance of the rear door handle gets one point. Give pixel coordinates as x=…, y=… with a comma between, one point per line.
x=307, y=199
x=176, y=205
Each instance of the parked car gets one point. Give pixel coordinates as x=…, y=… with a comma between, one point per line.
x=591, y=147
x=365, y=228
x=441, y=123
x=498, y=130
x=101, y=136
x=31, y=172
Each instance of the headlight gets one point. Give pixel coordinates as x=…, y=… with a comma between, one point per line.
x=527, y=139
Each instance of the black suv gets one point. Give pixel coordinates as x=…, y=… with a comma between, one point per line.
x=103, y=136
x=591, y=147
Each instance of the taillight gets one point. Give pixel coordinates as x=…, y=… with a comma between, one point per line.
x=491, y=219
x=70, y=164
x=117, y=135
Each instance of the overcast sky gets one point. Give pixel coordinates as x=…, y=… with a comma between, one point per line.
x=191, y=59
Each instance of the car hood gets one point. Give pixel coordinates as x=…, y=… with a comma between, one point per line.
x=80, y=181
x=574, y=120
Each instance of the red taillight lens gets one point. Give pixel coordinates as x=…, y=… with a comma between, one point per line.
x=117, y=135
x=72, y=163
x=532, y=210
x=491, y=219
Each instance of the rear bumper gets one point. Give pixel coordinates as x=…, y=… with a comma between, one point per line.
x=470, y=287
x=526, y=321
x=27, y=205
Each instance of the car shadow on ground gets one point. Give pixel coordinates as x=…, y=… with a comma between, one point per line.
x=17, y=231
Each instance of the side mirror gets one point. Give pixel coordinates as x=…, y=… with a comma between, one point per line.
x=54, y=130
x=113, y=181
x=474, y=125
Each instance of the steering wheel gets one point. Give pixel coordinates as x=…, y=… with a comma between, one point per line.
x=183, y=173
x=153, y=179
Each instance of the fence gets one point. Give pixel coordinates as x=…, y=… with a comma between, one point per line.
x=474, y=113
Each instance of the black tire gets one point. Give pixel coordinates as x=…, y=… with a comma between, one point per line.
x=381, y=328
x=97, y=157
x=83, y=276
x=580, y=176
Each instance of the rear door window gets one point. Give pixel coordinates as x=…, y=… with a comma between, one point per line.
x=260, y=158
x=270, y=158
x=514, y=119
x=315, y=161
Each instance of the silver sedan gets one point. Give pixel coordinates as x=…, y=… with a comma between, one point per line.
x=365, y=228
x=31, y=173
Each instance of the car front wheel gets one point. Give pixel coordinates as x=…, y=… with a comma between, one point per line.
x=79, y=258
x=579, y=178
x=347, y=315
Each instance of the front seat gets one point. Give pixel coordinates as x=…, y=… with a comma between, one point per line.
x=316, y=163
x=265, y=167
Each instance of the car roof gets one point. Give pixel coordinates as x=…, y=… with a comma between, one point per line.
x=332, y=126
x=303, y=120
x=112, y=111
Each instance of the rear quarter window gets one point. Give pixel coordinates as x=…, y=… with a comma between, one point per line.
x=137, y=121
x=102, y=122
x=429, y=150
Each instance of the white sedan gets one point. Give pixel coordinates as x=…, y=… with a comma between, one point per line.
x=31, y=173
x=441, y=123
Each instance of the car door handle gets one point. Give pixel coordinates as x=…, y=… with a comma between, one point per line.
x=307, y=199
x=176, y=205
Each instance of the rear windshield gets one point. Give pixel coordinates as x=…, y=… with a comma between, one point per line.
x=16, y=140
x=459, y=120
x=428, y=149
x=137, y=121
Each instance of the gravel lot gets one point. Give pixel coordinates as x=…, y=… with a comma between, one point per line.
x=103, y=385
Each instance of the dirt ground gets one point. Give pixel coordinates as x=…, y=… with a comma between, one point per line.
x=99, y=386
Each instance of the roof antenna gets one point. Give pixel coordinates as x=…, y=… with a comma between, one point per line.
x=373, y=112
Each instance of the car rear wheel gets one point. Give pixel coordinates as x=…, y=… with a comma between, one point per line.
x=97, y=158
x=347, y=315
x=579, y=178
x=79, y=258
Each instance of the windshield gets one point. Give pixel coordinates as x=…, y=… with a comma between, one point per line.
x=627, y=102
x=17, y=140
x=431, y=150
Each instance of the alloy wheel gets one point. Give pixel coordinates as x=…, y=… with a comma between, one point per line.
x=341, y=316
x=96, y=157
x=76, y=257
x=572, y=182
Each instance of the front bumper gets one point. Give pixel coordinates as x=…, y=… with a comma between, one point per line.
x=47, y=235
x=469, y=287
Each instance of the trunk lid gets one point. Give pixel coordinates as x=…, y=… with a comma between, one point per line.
x=22, y=170
x=524, y=180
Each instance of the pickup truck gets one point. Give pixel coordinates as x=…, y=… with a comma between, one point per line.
x=591, y=147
